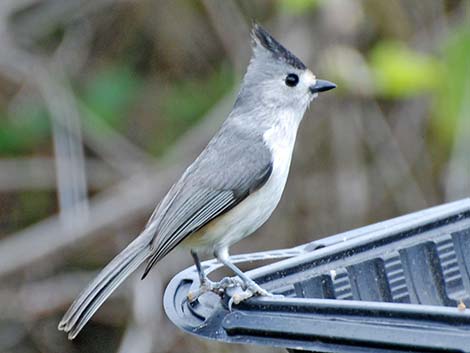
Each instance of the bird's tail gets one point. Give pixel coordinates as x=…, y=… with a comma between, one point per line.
x=105, y=283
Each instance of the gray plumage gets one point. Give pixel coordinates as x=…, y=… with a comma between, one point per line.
x=210, y=186
x=230, y=168
x=105, y=283
x=232, y=188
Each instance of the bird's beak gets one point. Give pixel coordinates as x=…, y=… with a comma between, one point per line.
x=322, y=86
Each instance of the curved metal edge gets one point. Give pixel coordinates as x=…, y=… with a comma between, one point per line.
x=182, y=282
x=188, y=280
x=170, y=302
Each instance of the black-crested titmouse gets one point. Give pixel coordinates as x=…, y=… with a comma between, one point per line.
x=231, y=189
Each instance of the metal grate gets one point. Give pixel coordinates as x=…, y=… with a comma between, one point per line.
x=401, y=285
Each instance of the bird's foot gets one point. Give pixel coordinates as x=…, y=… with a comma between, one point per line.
x=251, y=290
x=214, y=287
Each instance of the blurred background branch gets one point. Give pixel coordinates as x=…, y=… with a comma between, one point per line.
x=104, y=102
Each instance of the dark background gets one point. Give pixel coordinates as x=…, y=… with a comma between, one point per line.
x=103, y=103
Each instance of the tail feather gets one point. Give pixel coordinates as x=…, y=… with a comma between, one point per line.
x=104, y=284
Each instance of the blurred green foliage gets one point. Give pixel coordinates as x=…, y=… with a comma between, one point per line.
x=453, y=98
x=298, y=6
x=400, y=72
x=25, y=131
x=110, y=93
x=186, y=101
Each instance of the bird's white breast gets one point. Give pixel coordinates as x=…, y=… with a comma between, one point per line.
x=255, y=210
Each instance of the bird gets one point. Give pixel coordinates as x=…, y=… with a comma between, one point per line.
x=231, y=188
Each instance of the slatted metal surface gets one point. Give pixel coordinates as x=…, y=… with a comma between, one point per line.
x=401, y=285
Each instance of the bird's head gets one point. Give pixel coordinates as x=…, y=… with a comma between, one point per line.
x=277, y=78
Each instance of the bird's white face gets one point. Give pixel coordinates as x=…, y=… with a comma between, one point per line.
x=276, y=78
x=309, y=80
x=277, y=83
x=283, y=87
x=295, y=87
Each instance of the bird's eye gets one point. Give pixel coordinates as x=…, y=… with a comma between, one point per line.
x=292, y=80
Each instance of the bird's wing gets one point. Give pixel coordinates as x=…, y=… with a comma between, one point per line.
x=225, y=173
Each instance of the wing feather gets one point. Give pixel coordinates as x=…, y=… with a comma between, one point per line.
x=225, y=173
x=216, y=206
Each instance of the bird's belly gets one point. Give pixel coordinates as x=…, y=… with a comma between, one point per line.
x=239, y=222
x=251, y=213
x=246, y=217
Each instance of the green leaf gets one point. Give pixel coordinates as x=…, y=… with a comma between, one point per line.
x=453, y=99
x=400, y=72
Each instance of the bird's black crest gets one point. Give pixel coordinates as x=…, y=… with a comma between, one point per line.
x=260, y=35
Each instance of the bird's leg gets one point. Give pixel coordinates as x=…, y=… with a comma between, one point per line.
x=202, y=275
x=205, y=284
x=223, y=257
x=252, y=288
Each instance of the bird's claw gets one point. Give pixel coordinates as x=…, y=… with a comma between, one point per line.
x=252, y=290
x=243, y=291
x=238, y=297
x=214, y=287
